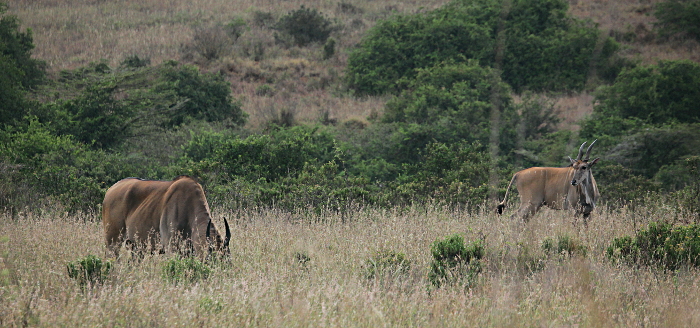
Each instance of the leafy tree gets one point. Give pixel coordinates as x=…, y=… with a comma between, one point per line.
x=304, y=26
x=104, y=107
x=19, y=71
x=208, y=96
x=655, y=94
x=542, y=48
x=18, y=46
x=679, y=16
x=453, y=101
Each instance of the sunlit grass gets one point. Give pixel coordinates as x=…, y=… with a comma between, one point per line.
x=265, y=284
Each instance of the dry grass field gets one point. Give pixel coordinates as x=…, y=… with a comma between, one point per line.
x=264, y=284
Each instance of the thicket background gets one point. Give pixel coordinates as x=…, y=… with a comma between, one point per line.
x=316, y=108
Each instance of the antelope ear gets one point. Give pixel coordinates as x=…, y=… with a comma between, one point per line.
x=572, y=160
x=594, y=161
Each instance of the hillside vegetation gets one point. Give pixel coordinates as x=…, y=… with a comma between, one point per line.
x=360, y=148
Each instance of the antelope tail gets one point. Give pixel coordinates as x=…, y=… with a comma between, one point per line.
x=502, y=205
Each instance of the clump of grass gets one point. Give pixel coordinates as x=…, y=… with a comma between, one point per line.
x=90, y=270
x=387, y=264
x=564, y=245
x=185, y=270
x=454, y=262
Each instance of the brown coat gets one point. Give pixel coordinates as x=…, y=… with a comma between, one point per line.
x=159, y=215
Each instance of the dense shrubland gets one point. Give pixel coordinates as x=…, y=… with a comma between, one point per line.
x=84, y=129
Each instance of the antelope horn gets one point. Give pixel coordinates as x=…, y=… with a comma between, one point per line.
x=580, y=151
x=228, y=234
x=588, y=151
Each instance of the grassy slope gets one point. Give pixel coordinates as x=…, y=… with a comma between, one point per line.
x=69, y=34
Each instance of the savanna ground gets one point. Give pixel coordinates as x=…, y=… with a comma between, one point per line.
x=264, y=283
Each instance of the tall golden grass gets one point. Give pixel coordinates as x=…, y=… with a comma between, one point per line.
x=264, y=285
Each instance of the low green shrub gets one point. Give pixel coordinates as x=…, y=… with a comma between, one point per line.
x=304, y=26
x=386, y=264
x=679, y=16
x=660, y=244
x=454, y=262
x=564, y=245
x=89, y=271
x=185, y=270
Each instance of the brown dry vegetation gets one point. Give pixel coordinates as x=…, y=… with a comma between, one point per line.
x=264, y=285
x=69, y=34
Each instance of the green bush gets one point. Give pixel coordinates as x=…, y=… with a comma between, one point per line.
x=90, y=270
x=283, y=152
x=679, y=16
x=544, y=49
x=454, y=262
x=16, y=48
x=647, y=151
x=654, y=94
x=56, y=167
x=453, y=102
x=564, y=245
x=304, y=26
x=619, y=186
x=660, y=244
x=682, y=177
x=185, y=270
x=20, y=72
x=387, y=264
x=208, y=96
x=456, y=173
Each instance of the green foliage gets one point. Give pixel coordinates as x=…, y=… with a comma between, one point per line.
x=684, y=177
x=329, y=49
x=564, y=245
x=544, y=49
x=304, y=26
x=134, y=61
x=679, y=16
x=236, y=27
x=110, y=106
x=655, y=94
x=210, y=305
x=458, y=173
x=454, y=262
x=14, y=104
x=283, y=152
x=57, y=167
x=16, y=48
x=89, y=271
x=618, y=185
x=185, y=270
x=387, y=264
x=20, y=72
x=208, y=96
x=660, y=244
x=453, y=101
x=647, y=151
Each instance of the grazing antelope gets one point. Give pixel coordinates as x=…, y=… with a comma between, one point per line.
x=160, y=215
x=562, y=188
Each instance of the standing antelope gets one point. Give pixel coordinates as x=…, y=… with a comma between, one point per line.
x=561, y=188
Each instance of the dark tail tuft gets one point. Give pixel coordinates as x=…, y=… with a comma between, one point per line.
x=499, y=208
